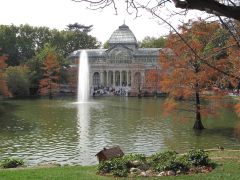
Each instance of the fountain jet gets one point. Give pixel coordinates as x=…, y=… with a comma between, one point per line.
x=83, y=78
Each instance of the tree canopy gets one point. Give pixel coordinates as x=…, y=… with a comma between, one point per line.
x=21, y=43
x=152, y=42
x=186, y=74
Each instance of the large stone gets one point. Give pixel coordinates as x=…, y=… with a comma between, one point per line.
x=171, y=173
x=163, y=173
x=135, y=170
x=136, y=163
x=143, y=173
x=149, y=173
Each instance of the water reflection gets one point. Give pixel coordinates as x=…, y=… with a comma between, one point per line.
x=83, y=123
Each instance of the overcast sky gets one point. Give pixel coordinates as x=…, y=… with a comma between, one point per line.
x=59, y=13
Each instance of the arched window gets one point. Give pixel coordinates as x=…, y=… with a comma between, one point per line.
x=96, y=79
x=137, y=79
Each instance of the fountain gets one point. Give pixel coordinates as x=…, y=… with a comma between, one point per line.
x=83, y=78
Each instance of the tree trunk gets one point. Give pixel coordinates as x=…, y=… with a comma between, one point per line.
x=198, y=121
x=50, y=95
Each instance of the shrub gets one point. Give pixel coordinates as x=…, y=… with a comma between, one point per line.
x=116, y=166
x=135, y=157
x=120, y=166
x=162, y=160
x=12, y=162
x=197, y=157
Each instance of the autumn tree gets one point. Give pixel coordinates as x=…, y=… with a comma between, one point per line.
x=49, y=84
x=3, y=83
x=152, y=80
x=186, y=74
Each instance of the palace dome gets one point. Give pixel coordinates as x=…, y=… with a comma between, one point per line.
x=123, y=35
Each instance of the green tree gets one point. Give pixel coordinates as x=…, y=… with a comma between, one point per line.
x=3, y=83
x=18, y=80
x=106, y=45
x=79, y=27
x=8, y=41
x=23, y=42
x=152, y=42
x=27, y=42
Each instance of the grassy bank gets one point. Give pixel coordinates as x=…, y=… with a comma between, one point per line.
x=228, y=168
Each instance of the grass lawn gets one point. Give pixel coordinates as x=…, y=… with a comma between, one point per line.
x=228, y=168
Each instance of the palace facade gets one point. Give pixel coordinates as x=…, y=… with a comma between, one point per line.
x=123, y=67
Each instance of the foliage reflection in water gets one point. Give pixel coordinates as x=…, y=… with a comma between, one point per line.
x=63, y=132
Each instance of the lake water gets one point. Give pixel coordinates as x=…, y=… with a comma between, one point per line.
x=61, y=131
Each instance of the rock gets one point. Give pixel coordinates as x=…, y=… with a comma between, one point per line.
x=162, y=174
x=143, y=167
x=178, y=172
x=171, y=173
x=135, y=170
x=136, y=163
x=149, y=172
x=143, y=173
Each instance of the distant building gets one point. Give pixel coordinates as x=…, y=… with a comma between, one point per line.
x=122, y=67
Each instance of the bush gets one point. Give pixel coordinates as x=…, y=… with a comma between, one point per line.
x=120, y=166
x=12, y=163
x=117, y=166
x=135, y=157
x=162, y=160
x=197, y=157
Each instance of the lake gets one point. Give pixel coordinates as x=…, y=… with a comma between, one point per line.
x=61, y=131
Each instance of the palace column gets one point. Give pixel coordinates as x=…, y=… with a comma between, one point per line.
x=90, y=79
x=120, y=72
x=101, y=78
x=114, y=78
x=127, y=77
x=107, y=79
x=132, y=78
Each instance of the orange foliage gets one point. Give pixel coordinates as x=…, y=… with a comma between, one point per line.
x=49, y=84
x=184, y=74
x=152, y=79
x=72, y=78
x=169, y=106
x=237, y=109
x=3, y=83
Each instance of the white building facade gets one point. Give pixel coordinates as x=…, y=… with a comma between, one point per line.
x=123, y=65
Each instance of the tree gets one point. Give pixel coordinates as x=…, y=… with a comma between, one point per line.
x=106, y=45
x=152, y=80
x=8, y=41
x=49, y=84
x=79, y=27
x=23, y=42
x=228, y=8
x=152, y=42
x=3, y=83
x=18, y=80
x=186, y=75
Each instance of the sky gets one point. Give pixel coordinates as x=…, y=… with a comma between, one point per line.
x=59, y=13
